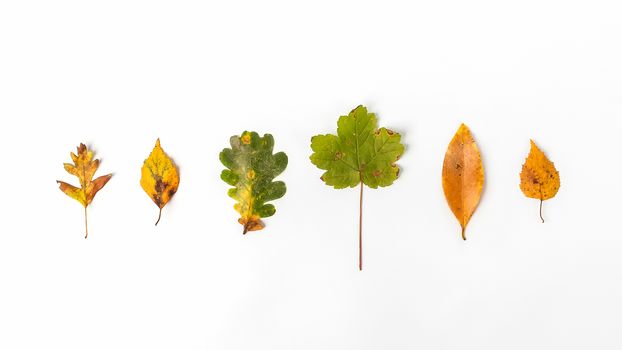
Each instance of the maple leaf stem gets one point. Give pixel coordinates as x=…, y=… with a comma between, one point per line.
x=541, y=218
x=159, y=216
x=463, y=233
x=86, y=224
x=361, y=228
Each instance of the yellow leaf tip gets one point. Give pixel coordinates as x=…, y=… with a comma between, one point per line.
x=463, y=128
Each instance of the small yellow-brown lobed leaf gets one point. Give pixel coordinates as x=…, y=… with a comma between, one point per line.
x=463, y=176
x=159, y=177
x=84, y=168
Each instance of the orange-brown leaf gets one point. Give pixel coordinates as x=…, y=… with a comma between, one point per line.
x=539, y=179
x=463, y=176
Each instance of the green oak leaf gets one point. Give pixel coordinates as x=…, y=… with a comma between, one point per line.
x=360, y=153
x=251, y=169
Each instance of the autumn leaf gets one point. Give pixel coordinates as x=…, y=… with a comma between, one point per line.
x=463, y=176
x=84, y=167
x=539, y=179
x=159, y=177
x=360, y=153
x=251, y=169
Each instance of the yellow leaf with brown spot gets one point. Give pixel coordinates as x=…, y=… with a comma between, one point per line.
x=159, y=177
x=84, y=167
x=539, y=179
x=463, y=176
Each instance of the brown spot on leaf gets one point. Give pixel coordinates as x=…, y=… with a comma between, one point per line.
x=160, y=186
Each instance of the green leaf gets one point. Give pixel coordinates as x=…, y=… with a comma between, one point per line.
x=251, y=169
x=360, y=153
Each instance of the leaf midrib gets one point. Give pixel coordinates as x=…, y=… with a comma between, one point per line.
x=356, y=138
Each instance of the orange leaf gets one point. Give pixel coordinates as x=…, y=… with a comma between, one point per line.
x=539, y=179
x=463, y=176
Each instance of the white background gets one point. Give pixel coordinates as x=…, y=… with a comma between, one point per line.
x=118, y=74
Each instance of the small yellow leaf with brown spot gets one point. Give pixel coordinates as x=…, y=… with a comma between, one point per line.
x=84, y=168
x=159, y=178
x=463, y=176
x=539, y=179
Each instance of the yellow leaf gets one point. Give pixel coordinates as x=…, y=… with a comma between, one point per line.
x=539, y=179
x=159, y=178
x=463, y=176
x=84, y=167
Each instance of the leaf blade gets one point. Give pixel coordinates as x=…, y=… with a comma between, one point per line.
x=463, y=176
x=539, y=178
x=251, y=169
x=359, y=154
x=84, y=168
x=159, y=177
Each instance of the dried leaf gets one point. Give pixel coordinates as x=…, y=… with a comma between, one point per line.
x=159, y=177
x=539, y=179
x=84, y=167
x=359, y=154
x=251, y=167
x=463, y=176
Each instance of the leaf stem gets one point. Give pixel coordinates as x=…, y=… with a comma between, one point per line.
x=541, y=218
x=159, y=216
x=86, y=225
x=463, y=233
x=361, y=228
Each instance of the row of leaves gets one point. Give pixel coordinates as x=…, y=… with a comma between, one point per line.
x=359, y=154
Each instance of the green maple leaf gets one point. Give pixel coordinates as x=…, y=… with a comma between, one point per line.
x=360, y=153
x=251, y=169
